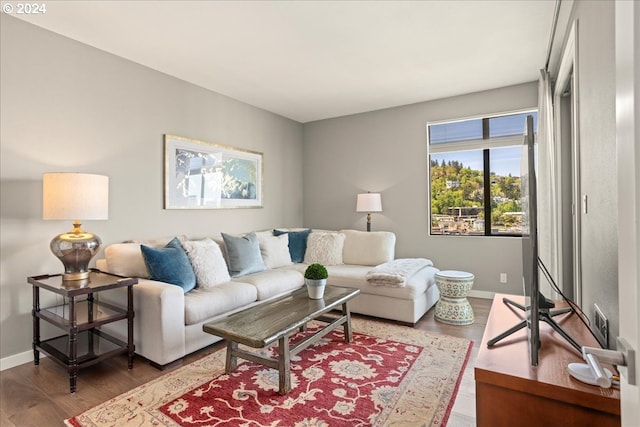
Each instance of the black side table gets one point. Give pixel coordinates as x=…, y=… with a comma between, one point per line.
x=84, y=344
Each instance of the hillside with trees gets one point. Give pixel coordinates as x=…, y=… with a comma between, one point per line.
x=457, y=200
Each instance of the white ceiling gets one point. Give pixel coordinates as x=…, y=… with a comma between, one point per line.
x=310, y=60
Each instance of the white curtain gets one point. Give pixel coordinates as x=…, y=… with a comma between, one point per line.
x=548, y=213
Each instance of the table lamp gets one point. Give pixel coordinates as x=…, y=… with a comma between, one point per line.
x=369, y=202
x=75, y=196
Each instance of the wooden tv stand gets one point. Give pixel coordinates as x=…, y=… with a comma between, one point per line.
x=509, y=391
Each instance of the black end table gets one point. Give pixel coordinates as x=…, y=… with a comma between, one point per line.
x=84, y=344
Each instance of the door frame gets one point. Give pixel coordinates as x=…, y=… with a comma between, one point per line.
x=568, y=73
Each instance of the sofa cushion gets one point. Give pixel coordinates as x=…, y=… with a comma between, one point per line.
x=208, y=263
x=243, y=254
x=202, y=304
x=274, y=249
x=125, y=259
x=353, y=276
x=297, y=243
x=270, y=283
x=368, y=248
x=170, y=264
x=324, y=248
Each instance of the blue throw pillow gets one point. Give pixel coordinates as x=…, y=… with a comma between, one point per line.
x=297, y=243
x=243, y=254
x=170, y=264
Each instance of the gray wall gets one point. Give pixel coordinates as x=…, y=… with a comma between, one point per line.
x=69, y=107
x=386, y=151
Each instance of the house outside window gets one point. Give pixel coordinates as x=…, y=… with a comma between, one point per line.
x=474, y=175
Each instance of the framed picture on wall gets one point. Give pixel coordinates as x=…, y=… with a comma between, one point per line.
x=202, y=175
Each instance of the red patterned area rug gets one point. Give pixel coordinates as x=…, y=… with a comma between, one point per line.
x=389, y=375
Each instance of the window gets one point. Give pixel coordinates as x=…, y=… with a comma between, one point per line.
x=474, y=170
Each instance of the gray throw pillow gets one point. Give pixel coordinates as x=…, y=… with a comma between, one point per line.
x=243, y=254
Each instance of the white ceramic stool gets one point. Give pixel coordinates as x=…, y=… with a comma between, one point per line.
x=453, y=307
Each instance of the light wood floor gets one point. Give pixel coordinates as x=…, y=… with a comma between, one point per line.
x=39, y=395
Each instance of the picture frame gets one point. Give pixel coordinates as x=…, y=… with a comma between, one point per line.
x=203, y=175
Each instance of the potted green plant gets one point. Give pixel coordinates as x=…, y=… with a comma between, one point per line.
x=315, y=277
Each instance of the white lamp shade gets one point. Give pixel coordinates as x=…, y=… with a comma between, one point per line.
x=369, y=202
x=75, y=196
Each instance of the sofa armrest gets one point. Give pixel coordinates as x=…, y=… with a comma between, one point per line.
x=159, y=333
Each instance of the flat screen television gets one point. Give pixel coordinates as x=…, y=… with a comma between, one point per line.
x=537, y=306
x=530, y=275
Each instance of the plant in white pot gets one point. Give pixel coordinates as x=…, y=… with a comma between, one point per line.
x=315, y=277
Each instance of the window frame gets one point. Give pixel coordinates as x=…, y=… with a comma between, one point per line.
x=485, y=147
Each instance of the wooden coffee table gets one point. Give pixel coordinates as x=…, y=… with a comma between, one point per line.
x=275, y=320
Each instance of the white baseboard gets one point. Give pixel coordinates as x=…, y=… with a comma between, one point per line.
x=481, y=294
x=18, y=359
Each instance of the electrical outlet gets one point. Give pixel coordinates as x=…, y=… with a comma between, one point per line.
x=601, y=326
x=503, y=277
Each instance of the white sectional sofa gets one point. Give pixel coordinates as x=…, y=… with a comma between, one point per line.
x=168, y=318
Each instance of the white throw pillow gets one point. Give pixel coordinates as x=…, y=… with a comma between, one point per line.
x=324, y=248
x=207, y=262
x=274, y=250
